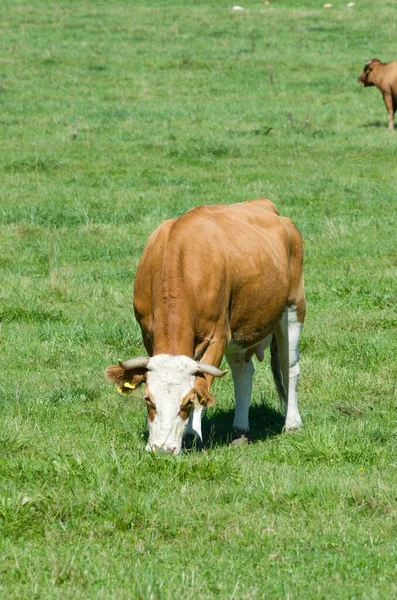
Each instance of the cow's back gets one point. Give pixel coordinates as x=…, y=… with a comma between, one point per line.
x=148, y=273
x=226, y=264
x=389, y=80
x=254, y=265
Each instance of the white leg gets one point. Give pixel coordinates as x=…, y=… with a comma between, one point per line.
x=194, y=425
x=293, y=419
x=242, y=373
x=287, y=334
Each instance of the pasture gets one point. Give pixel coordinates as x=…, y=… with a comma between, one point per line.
x=115, y=116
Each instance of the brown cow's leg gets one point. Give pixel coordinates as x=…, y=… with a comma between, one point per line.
x=389, y=105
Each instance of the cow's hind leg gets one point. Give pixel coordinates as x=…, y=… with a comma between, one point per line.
x=277, y=374
x=242, y=373
x=286, y=368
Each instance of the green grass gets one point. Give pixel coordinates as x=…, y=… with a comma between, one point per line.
x=114, y=117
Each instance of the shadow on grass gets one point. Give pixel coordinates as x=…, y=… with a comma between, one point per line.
x=381, y=124
x=265, y=422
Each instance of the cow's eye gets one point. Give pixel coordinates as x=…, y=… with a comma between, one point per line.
x=151, y=408
x=186, y=409
x=149, y=402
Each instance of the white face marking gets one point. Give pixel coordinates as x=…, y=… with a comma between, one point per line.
x=169, y=380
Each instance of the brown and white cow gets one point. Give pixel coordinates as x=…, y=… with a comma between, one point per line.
x=220, y=279
x=384, y=77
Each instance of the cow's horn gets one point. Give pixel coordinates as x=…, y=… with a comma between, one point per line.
x=134, y=363
x=210, y=370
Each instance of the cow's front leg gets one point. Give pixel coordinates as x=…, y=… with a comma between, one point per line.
x=390, y=110
x=193, y=436
x=242, y=373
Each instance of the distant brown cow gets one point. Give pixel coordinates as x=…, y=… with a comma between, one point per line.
x=384, y=76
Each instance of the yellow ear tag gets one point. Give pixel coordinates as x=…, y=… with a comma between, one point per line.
x=120, y=389
x=128, y=385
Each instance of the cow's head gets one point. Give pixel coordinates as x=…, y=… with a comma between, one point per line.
x=174, y=386
x=366, y=77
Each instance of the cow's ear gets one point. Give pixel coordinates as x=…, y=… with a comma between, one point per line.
x=202, y=391
x=369, y=64
x=187, y=404
x=127, y=380
x=204, y=396
x=189, y=399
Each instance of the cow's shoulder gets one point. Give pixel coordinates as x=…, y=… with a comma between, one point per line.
x=225, y=214
x=261, y=204
x=291, y=227
x=161, y=232
x=155, y=245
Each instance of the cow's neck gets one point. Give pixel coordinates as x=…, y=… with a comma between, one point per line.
x=173, y=326
x=173, y=331
x=377, y=75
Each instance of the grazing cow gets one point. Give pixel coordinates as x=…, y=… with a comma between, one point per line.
x=220, y=279
x=384, y=76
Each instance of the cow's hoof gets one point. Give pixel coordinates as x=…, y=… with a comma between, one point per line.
x=192, y=442
x=240, y=438
x=293, y=427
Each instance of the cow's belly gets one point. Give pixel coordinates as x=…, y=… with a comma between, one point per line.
x=240, y=353
x=247, y=331
x=258, y=305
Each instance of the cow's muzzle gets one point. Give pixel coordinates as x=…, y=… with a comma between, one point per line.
x=165, y=448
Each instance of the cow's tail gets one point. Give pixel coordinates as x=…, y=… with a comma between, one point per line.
x=277, y=374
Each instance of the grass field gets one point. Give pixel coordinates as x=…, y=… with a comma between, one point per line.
x=113, y=117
